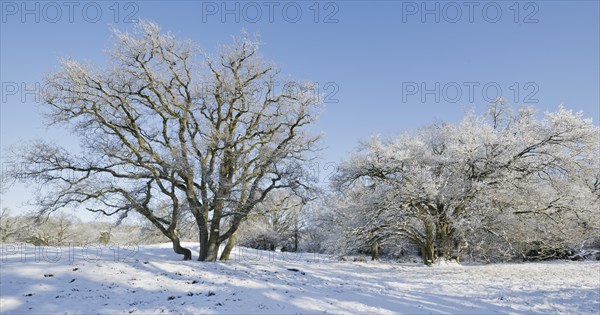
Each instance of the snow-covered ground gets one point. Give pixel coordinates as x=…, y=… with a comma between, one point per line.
x=151, y=279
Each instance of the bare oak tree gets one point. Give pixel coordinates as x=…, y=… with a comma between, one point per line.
x=166, y=123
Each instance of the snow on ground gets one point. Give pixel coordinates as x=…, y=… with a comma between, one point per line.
x=151, y=279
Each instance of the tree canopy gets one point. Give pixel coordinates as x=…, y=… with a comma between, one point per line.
x=166, y=126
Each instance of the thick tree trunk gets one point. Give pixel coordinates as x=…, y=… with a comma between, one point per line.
x=229, y=246
x=375, y=251
x=447, y=245
x=296, y=237
x=428, y=246
x=428, y=253
x=212, y=250
x=203, y=236
x=203, y=242
x=209, y=244
x=441, y=236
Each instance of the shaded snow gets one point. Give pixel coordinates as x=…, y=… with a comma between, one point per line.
x=151, y=279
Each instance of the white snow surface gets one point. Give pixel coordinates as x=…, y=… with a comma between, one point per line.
x=152, y=279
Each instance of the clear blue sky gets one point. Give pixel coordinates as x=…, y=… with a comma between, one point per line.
x=376, y=53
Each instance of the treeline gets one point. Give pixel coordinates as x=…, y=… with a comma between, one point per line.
x=61, y=229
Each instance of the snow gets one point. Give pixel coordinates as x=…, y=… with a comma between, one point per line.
x=151, y=279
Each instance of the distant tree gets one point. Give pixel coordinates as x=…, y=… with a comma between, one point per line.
x=317, y=225
x=59, y=228
x=438, y=186
x=160, y=127
x=104, y=237
x=275, y=223
x=10, y=227
x=39, y=230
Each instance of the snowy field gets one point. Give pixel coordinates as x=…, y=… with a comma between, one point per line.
x=151, y=279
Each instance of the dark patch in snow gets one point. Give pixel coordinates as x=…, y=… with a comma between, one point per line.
x=296, y=270
x=48, y=275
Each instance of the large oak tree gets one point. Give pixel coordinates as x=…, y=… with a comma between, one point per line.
x=527, y=182
x=167, y=124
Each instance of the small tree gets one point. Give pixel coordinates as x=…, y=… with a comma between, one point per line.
x=104, y=237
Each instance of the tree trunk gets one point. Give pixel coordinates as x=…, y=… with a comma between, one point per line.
x=296, y=238
x=187, y=254
x=203, y=242
x=441, y=236
x=428, y=253
x=375, y=251
x=201, y=218
x=428, y=246
x=229, y=246
x=447, y=246
x=212, y=250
